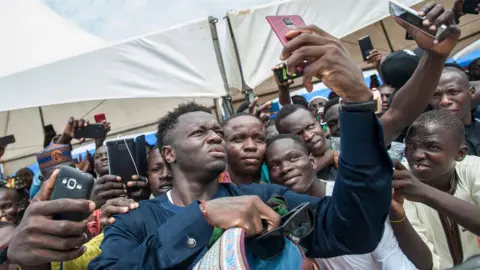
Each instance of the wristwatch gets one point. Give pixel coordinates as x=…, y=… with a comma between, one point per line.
x=3, y=255
x=374, y=105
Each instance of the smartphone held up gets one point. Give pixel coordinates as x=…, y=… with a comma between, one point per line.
x=281, y=25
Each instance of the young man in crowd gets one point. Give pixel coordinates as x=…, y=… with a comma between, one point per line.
x=454, y=95
x=245, y=143
x=6, y=232
x=291, y=165
x=192, y=144
x=159, y=174
x=100, y=161
x=442, y=188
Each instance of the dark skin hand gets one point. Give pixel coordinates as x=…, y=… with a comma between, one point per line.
x=69, y=130
x=409, y=241
x=261, y=112
x=283, y=88
x=414, y=190
x=99, y=141
x=115, y=206
x=139, y=189
x=245, y=212
x=107, y=187
x=39, y=240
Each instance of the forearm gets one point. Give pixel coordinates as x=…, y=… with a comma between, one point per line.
x=412, y=99
x=412, y=245
x=284, y=96
x=468, y=217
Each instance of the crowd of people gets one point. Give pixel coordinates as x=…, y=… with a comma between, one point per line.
x=390, y=172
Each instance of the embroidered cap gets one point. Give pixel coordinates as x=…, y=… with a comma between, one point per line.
x=54, y=155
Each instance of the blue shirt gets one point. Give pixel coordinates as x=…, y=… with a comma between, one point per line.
x=350, y=222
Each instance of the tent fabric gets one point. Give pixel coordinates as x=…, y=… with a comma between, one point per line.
x=259, y=49
x=466, y=52
x=162, y=64
x=33, y=35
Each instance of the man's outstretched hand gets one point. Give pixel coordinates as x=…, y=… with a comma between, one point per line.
x=435, y=16
x=328, y=60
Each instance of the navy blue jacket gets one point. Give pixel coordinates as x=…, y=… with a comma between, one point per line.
x=155, y=235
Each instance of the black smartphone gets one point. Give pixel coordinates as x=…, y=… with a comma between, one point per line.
x=48, y=129
x=93, y=131
x=470, y=6
x=411, y=17
x=9, y=139
x=283, y=76
x=121, y=158
x=366, y=46
x=72, y=184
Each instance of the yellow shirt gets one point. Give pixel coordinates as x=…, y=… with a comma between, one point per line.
x=426, y=222
x=81, y=263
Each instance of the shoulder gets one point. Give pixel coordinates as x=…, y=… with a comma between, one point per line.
x=468, y=169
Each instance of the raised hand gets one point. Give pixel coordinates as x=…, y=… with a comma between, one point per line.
x=246, y=212
x=139, y=189
x=284, y=85
x=39, y=239
x=69, y=130
x=435, y=17
x=261, y=112
x=107, y=187
x=328, y=60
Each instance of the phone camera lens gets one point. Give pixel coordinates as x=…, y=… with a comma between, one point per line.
x=287, y=21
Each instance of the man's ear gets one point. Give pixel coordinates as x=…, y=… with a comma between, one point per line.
x=473, y=91
x=462, y=152
x=168, y=154
x=313, y=162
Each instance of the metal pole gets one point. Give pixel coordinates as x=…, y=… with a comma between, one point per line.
x=389, y=42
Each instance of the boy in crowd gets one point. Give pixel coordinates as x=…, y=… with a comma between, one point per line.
x=291, y=165
x=442, y=191
x=454, y=95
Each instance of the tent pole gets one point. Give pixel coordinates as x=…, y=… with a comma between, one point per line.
x=389, y=42
x=226, y=102
x=246, y=90
x=40, y=112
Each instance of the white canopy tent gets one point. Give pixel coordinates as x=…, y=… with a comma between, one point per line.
x=259, y=48
x=66, y=72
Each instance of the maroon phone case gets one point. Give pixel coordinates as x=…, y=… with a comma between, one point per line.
x=281, y=28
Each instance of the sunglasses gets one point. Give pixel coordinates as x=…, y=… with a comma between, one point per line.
x=298, y=223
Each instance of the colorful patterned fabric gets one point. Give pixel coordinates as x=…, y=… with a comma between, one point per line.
x=230, y=252
x=54, y=155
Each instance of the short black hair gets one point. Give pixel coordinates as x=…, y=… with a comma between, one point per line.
x=290, y=137
x=330, y=103
x=24, y=170
x=456, y=68
x=244, y=106
x=225, y=122
x=300, y=100
x=170, y=120
x=284, y=112
x=449, y=122
x=470, y=67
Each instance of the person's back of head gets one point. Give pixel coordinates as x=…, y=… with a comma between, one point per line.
x=300, y=100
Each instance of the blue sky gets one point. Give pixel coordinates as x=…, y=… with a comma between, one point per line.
x=119, y=19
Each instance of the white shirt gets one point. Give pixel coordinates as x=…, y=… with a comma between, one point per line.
x=426, y=222
x=387, y=255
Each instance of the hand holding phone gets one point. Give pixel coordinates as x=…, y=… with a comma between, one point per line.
x=281, y=25
x=72, y=184
x=61, y=240
x=433, y=28
x=93, y=131
x=366, y=46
